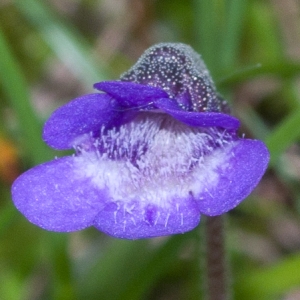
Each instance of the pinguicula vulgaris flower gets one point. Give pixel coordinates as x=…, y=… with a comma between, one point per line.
x=153, y=151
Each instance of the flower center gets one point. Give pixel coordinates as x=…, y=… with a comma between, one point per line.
x=152, y=157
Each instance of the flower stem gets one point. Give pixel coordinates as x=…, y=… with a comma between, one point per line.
x=216, y=273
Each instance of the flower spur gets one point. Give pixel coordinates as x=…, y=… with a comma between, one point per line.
x=153, y=151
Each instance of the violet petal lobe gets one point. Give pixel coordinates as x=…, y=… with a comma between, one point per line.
x=239, y=173
x=131, y=94
x=55, y=197
x=198, y=119
x=81, y=116
x=134, y=220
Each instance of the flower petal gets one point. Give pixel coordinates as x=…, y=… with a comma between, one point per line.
x=131, y=94
x=55, y=197
x=78, y=117
x=199, y=119
x=238, y=176
x=133, y=220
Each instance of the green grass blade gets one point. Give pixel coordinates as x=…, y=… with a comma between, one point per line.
x=7, y=215
x=117, y=263
x=271, y=282
x=284, y=135
x=264, y=39
x=16, y=90
x=206, y=32
x=55, y=253
x=69, y=46
x=231, y=37
x=154, y=267
x=280, y=68
x=254, y=123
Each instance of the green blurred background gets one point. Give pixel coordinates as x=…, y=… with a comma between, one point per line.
x=54, y=50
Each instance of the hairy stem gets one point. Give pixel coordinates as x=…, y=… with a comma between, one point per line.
x=216, y=277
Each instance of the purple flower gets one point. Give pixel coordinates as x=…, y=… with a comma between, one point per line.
x=153, y=151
